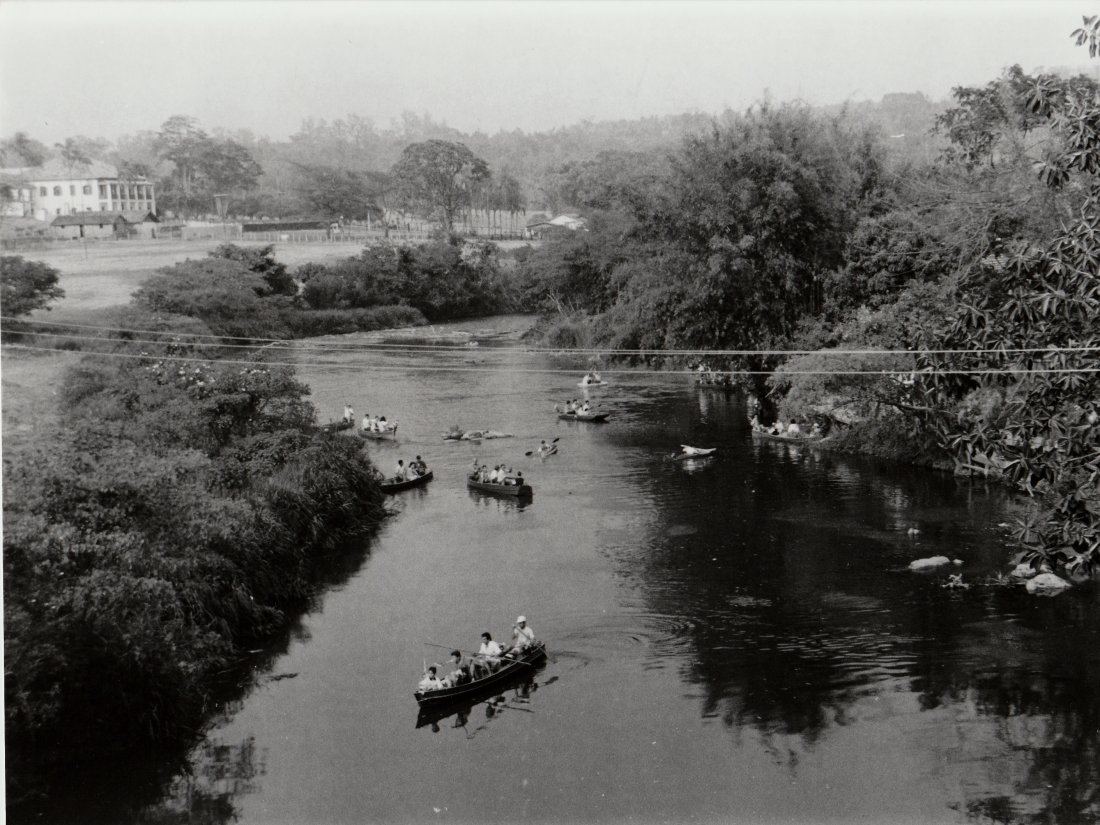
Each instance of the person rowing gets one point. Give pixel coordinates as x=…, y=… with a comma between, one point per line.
x=488, y=656
x=522, y=635
x=545, y=449
x=349, y=414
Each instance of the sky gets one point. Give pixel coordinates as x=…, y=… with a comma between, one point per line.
x=105, y=68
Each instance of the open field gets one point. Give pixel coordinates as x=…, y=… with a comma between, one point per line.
x=104, y=274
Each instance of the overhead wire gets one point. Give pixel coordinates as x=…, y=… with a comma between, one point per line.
x=406, y=368
x=390, y=345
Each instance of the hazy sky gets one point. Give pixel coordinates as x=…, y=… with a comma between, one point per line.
x=107, y=68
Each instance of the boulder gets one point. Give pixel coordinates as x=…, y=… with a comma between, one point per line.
x=1023, y=570
x=933, y=561
x=1047, y=584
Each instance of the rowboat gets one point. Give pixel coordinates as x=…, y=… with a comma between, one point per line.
x=514, y=490
x=595, y=418
x=591, y=383
x=474, y=435
x=699, y=452
x=787, y=439
x=541, y=453
x=379, y=435
x=398, y=486
x=509, y=670
x=337, y=426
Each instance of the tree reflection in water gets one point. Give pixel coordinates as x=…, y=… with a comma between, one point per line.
x=221, y=773
x=797, y=608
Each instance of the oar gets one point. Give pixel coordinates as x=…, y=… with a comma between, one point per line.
x=532, y=452
x=471, y=653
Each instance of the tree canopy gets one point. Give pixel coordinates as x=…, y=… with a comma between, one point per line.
x=438, y=178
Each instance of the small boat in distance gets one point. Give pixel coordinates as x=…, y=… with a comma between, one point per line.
x=511, y=490
x=392, y=486
x=595, y=418
x=687, y=452
x=377, y=435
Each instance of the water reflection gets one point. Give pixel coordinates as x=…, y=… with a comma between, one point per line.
x=513, y=695
x=800, y=616
x=220, y=774
x=505, y=504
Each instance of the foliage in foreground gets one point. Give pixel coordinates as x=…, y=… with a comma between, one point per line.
x=147, y=547
x=27, y=285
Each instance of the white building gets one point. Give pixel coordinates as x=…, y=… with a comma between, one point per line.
x=55, y=188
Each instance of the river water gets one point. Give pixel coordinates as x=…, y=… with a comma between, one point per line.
x=737, y=639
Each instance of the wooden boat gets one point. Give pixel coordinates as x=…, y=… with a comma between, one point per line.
x=547, y=452
x=701, y=452
x=595, y=418
x=378, y=436
x=787, y=439
x=514, y=490
x=397, y=486
x=591, y=383
x=509, y=670
x=337, y=426
x=475, y=435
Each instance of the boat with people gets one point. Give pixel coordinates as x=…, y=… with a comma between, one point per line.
x=510, y=668
x=786, y=438
x=392, y=485
x=377, y=435
x=688, y=452
x=337, y=426
x=595, y=418
x=499, y=489
x=591, y=379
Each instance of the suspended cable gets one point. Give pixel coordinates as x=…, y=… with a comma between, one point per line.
x=405, y=368
x=249, y=342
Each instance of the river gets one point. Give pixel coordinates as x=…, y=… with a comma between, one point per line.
x=737, y=639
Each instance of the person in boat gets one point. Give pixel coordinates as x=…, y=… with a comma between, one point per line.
x=522, y=635
x=460, y=670
x=777, y=428
x=815, y=430
x=366, y=422
x=383, y=425
x=544, y=448
x=349, y=414
x=430, y=681
x=400, y=473
x=585, y=408
x=488, y=656
x=794, y=430
x=483, y=474
x=418, y=466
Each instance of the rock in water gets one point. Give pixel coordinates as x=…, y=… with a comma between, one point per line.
x=924, y=564
x=1047, y=584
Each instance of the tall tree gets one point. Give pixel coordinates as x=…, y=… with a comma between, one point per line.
x=437, y=178
x=182, y=142
x=73, y=154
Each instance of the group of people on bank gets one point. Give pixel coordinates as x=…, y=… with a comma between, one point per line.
x=498, y=475
x=792, y=429
x=491, y=656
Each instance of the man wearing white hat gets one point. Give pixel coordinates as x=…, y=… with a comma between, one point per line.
x=522, y=635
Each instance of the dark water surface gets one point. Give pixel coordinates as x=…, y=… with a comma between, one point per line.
x=731, y=640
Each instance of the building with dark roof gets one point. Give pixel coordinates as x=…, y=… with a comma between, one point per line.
x=132, y=224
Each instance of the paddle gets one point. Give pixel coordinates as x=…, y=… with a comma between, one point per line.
x=471, y=653
x=532, y=452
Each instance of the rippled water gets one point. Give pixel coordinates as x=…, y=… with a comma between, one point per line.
x=731, y=639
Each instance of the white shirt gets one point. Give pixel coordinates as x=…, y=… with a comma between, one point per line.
x=429, y=682
x=522, y=636
x=490, y=650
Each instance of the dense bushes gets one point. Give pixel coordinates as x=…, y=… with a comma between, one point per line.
x=441, y=280
x=186, y=506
